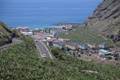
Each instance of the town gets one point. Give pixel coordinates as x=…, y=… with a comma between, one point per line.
x=74, y=48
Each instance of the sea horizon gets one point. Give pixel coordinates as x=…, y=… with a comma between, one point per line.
x=40, y=14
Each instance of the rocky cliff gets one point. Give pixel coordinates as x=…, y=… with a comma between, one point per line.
x=105, y=20
x=6, y=34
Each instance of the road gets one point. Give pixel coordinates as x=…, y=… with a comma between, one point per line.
x=43, y=49
x=14, y=41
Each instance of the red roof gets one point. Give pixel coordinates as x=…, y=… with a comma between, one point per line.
x=95, y=55
x=113, y=50
x=25, y=27
x=58, y=41
x=19, y=27
x=50, y=40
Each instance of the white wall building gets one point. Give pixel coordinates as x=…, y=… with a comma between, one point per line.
x=103, y=45
x=27, y=33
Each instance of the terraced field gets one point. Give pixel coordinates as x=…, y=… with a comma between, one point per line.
x=83, y=34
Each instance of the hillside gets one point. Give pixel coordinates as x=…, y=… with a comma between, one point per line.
x=105, y=20
x=22, y=62
x=83, y=34
x=6, y=34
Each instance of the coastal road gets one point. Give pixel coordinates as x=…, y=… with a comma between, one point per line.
x=43, y=49
x=14, y=41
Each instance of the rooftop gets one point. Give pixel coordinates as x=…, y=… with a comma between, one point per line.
x=104, y=51
x=59, y=43
x=25, y=27
x=19, y=27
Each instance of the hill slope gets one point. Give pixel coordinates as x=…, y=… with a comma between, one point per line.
x=83, y=34
x=6, y=34
x=106, y=20
x=22, y=62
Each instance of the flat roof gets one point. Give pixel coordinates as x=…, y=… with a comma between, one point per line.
x=104, y=51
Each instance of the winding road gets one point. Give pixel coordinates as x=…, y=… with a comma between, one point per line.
x=43, y=49
x=14, y=41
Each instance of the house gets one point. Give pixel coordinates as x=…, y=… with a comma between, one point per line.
x=48, y=37
x=103, y=45
x=103, y=52
x=82, y=46
x=76, y=45
x=116, y=54
x=55, y=32
x=47, y=30
x=50, y=42
x=61, y=40
x=26, y=29
x=71, y=45
x=92, y=45
x=19, y=29
x=27, y=33
x=66, y=27
x=59, y=44
x=42, y=33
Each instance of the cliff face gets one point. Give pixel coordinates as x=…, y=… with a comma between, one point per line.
x=6, y=34
x=105, y=20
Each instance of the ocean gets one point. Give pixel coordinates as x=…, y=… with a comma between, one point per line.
x=45, y=13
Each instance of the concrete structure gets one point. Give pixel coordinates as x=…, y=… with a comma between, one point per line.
x=92, y=45
x=76, y=45
x=103, y=45
x=71, y=45
x=47, y=30
x=103, y=52
x=41, y=33
x=59, y=44
x=27, y=33
x=50, y=42
x=66, y=27
x=56, y=32
x=61, y=40
x=19, y=29
x=49, y=37
x=38, y=37
x=25, y=29
x=81, y=45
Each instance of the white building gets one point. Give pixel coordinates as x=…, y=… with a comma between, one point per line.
x=59, y=44
x=103, y=52
x=27, y=33
x=83, y=46
x=56, y=32
x=103, y=45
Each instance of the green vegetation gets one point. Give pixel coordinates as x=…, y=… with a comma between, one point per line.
x=22, y=62
x=6, y=34
x=106, y=20
x=83, y=34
